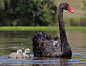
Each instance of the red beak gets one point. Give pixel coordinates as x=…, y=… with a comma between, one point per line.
x=69, y=9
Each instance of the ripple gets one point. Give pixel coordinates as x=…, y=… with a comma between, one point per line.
x=15, y=47
x=39, y=60
x=2, y=48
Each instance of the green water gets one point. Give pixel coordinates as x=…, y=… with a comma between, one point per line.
x=11, y=41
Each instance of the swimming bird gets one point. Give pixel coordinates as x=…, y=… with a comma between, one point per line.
x=15, y=55
x=47, y=46
x=26, y=53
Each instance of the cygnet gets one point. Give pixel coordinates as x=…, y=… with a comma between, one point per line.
x=26, y=53
x=16, y=55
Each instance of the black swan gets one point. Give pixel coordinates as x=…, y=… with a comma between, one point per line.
x=47, y=46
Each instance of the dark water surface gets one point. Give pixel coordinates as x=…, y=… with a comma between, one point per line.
x=10, y=41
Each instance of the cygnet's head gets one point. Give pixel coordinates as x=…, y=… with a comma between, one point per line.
x=19, y=51
x=55, y=43
x=27, y=51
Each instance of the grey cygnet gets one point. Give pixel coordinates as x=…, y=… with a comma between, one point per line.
x=16, y=55
x=26, y=53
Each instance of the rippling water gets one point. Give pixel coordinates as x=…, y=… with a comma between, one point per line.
x=10, y=41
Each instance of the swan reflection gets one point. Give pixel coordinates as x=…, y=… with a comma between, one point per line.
x=52, y=62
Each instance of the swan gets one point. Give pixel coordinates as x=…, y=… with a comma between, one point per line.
x=15, y=55
x=26, y=53
x=48, y=46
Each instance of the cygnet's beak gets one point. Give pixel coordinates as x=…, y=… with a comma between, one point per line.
x=29, y=52
x=20, y=53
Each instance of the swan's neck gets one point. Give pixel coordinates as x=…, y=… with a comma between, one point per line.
x=63, y=36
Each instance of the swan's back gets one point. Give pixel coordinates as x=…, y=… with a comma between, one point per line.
x=44, y=45
x=12, y=55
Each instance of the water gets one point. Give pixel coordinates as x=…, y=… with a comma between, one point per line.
x=10, y=41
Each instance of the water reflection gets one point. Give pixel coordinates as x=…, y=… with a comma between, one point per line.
x=53, y=62
x=10, y=41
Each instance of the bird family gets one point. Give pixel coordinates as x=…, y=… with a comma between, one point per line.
x=20, y=55
x=47, y=46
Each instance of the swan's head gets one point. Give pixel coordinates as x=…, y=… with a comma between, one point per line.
x=19, y=51
x=65, y=6
x=27, y=51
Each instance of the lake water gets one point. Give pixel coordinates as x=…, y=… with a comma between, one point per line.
x=11, y=41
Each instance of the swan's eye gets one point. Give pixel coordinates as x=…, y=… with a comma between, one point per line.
x=67, y=7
